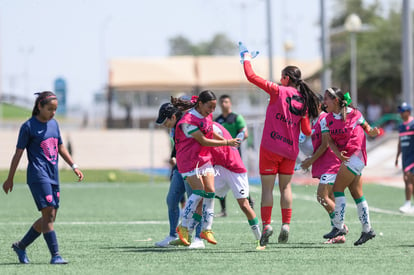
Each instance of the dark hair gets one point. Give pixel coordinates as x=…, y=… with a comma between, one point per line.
x=223, y=97
x=320, y=101
x=333, y=93
x=311, y=101
x=206, y=96
x=183, y=104
x=43, y=98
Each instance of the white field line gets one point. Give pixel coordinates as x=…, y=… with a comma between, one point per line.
x=252, y=188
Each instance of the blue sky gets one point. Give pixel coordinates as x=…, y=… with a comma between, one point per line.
x=41, y=40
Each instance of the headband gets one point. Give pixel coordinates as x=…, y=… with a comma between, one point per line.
x=347, y=97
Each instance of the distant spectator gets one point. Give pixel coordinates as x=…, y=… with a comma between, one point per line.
x=406, y=147
x=374, y=112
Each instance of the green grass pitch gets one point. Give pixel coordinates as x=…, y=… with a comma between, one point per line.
x=111, y=228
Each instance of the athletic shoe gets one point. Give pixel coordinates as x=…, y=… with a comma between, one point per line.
x=406, y=208
x=208, y=236
x=335, y=232
x=166, y=241
x=197, y=244
x=284, y=233
x=183, y=234
x=222, y=214
x=176, y=242
x=259, y=247
x=21, y=253
x=267, y=232
x=338, y=239
x=58, y=260
x=365, y=236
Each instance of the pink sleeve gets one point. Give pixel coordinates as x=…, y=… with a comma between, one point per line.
x=263, y=84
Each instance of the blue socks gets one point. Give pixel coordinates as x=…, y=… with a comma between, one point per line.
x=51, y=240
x=30, y=237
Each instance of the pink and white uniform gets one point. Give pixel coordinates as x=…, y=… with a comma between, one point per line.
x=346, y=135
x=328, y=163
x=230, y=172
x=190, y=153
x=226, y=156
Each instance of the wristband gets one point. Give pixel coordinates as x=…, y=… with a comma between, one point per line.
x=74, y=166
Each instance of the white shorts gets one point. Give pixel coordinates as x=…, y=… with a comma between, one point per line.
x=226, y=180
x=207, y=168
x=327, y=179
x=355, y=165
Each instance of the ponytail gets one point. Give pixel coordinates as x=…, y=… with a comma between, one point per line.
x=310, y=98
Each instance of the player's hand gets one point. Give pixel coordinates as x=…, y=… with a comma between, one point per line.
x=343, y=156
x=78, y=173
x=373, y=132
x=306, y=164
x=244, y=53
x=235, y=142
x=8, y=186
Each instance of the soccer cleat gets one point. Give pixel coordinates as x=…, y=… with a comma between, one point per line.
x=21, y=253
x=267, y=232
x=365, y=236
x=58, y=260
x=338, y=239
x=284, y=233
x=259, y=247
x=176, y=242
x=335, y=232
x=197, y=244
x=166, y=241
x=183, y=234
x=208, y=236
x=406, y=207
x=222, y=214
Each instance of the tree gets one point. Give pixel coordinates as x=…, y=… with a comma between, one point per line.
x=219, y=45
x=378, y=55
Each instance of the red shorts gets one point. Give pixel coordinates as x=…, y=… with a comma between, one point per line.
x=271, y=163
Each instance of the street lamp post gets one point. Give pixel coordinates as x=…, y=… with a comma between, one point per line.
x=353, y=25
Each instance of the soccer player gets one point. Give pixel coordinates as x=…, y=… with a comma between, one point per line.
x=193, y=135
x=40, y=136
x=236, y=125
x=232, y=174
x=286, y=115
x=348, y=142
x=168, y=116
x=325, y=166
x=406, y=147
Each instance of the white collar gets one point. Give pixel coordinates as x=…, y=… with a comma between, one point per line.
x=194, y=112
x=339, y=115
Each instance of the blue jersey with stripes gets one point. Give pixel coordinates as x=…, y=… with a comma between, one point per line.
x=41, y=141
x=406, y=136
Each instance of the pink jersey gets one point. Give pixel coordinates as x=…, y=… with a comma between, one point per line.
x=227, y=156
x=282, y=125
x=190, y=153
x=327, y=163
x=346, y=135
